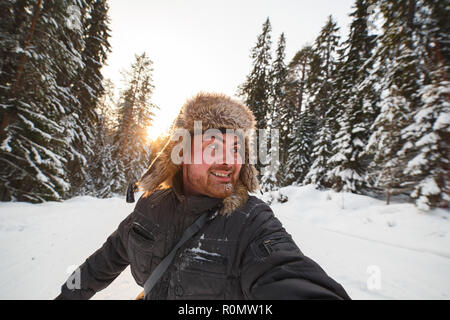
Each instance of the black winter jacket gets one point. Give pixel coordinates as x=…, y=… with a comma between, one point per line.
x=247, y=255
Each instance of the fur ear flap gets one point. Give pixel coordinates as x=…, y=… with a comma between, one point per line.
x=248, y=176
x=162, y=170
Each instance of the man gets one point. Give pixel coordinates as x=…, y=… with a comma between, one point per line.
x=242, y=252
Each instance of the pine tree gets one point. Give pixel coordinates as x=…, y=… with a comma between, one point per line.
x=105, y=171
x=299, y=160
x=257, y=87
x=385, y=143
x=89, y=85
x=323, y=66
x=40, y=57
x=398, y=59
x=270, y=173
x=87, y=88
x=298, y=128
x=297, y=77
x=321, y=85
x=278, y=94
x=429, y=135
x=271, y=178
x=135, y=115
x=321, y=152
x=355, y=105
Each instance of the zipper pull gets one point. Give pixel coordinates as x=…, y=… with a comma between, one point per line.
x=268, y=246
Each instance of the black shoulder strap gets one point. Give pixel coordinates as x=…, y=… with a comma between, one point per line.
x=165, y=263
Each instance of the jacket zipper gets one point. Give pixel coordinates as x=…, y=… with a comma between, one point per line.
x=268, y=243
x=142, y=231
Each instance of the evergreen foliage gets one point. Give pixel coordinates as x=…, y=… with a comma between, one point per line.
x=135, y=115
x=370, y=115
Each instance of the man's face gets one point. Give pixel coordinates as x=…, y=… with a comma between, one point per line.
x=216, y=168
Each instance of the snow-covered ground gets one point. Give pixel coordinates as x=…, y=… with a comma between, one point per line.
x=375, y=251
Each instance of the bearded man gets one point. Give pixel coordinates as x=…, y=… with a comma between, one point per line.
x=239, y=251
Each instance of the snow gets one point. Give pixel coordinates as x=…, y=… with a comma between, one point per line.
x=358, y=143
x=200, y=254
x=442, y=122
x=5, y=145
x=422, y=115
x=416, y=162
x=430, y=187
x=358, y=130
x=430, y=138
x=198, y=250
x=376, y=251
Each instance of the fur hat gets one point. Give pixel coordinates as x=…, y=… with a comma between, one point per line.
x=215, y=111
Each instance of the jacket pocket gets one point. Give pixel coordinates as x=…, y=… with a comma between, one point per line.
x=141, y=246
x=265, y=247
x=141, y=236
x=203, y=269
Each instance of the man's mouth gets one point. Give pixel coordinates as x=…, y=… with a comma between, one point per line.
x=221, y=174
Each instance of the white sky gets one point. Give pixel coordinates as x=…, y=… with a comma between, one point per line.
x=201, y=45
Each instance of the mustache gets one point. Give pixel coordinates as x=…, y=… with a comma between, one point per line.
x=222, y=168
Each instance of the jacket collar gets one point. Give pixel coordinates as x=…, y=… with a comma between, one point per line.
x=200, y=204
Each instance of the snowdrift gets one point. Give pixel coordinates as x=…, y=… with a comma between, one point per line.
x=375, y=251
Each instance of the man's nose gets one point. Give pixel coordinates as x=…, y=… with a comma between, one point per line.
x=228, y=156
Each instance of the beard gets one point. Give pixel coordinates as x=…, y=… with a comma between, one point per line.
x=205, y=183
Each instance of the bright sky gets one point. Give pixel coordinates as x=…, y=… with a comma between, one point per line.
x=204, y=45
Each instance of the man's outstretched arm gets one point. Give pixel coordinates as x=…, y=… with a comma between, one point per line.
x=273, y=267
x=101, y=268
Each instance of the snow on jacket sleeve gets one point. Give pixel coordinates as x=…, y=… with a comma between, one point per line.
x=101, y=268
x=273, y=267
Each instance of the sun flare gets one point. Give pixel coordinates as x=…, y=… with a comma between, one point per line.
x=156, y=129
x=161, y=124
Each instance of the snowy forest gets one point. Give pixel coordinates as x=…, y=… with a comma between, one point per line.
x=63, y=132
x=367, y=113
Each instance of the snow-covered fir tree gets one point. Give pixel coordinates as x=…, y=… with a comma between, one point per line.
x=278, y=94
x=386, y=141
x=270, y=172
x=429, y=134
x=105, y=172
x=41, y=57
x=271, y=178
x=297, y=139
x=135, y=114
x=321, y=84
x=256, y=89
x=299, y=159
x=399, y=61
x=321, y=152
x=322, y=68
x=355, y=100
x=87, y=88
